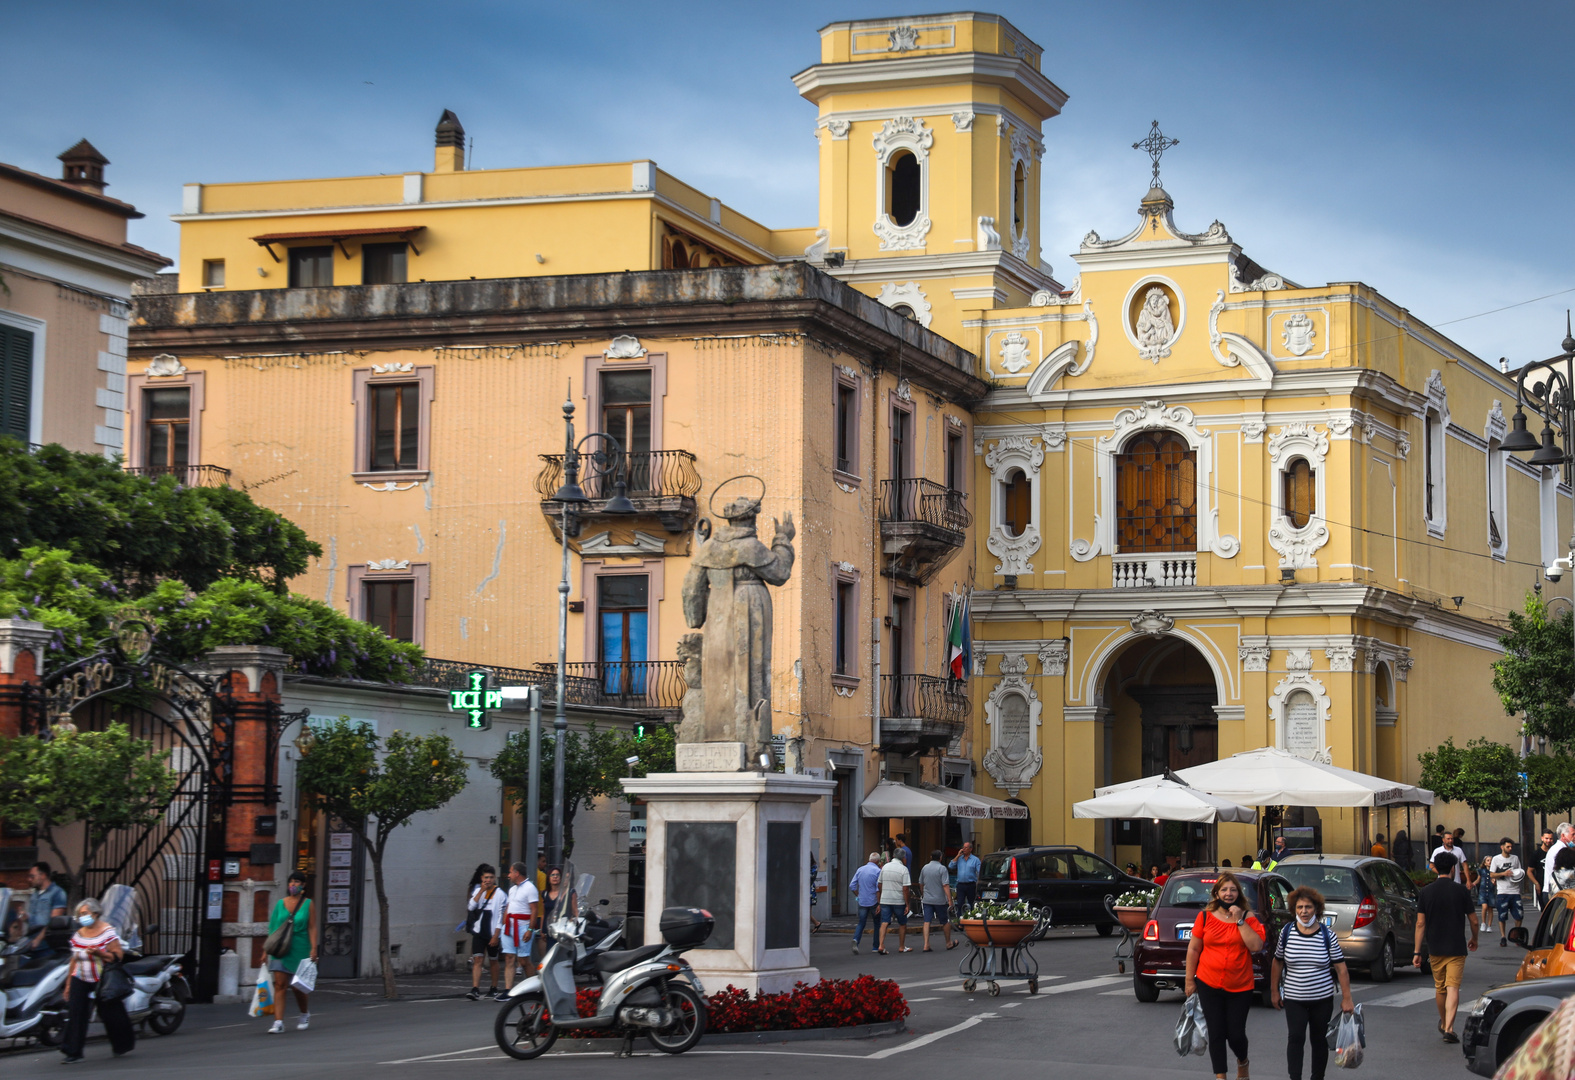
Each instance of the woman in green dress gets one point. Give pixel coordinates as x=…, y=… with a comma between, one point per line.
x=303, y=943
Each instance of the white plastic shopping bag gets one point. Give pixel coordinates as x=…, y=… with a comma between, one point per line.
x=262, y=998
x=1192, y=1031
x=1350, y=1039
x=306, y=976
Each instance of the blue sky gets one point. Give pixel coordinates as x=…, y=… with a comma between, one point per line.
x=1424, y=149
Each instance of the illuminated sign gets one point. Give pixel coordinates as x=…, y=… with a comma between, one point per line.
x=477, y=701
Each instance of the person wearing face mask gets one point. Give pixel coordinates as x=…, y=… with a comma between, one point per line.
x=1308, y=959
x=1219, y=970
x=296, y=906
x=93, y=945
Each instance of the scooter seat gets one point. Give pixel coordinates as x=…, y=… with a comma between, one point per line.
x=148, y=965
x=608, y=962
x=31, y=976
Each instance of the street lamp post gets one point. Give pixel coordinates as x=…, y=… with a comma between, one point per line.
x=602, y=463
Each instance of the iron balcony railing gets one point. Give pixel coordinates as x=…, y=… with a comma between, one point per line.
x=924, y=697
x=188, y=475
x=926, y=501
x=648, y=474
x=636, y=684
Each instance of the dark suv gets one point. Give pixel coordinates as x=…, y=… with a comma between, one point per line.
x=1071, y=882
x=1159, y=959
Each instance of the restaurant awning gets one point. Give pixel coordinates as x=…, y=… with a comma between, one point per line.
x=339, y=236
x=892, y=799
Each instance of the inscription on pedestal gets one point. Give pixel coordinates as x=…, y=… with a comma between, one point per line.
x=710, y=757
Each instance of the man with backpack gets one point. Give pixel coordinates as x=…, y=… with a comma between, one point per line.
x=1308, y=958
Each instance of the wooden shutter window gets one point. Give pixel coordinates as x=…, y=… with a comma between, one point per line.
x=1157, y=494
x=16, y=383
x=1300, y=498
x=1017, y=503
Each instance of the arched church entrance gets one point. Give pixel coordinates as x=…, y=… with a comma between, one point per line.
x=1161, y=693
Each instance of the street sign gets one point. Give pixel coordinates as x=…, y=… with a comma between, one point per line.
x=476, y=702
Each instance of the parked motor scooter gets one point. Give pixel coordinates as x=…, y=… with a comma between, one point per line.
x=32, y=1004
x=650, y=990
x=159, y=991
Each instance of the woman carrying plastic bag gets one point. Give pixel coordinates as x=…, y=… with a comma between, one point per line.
x=305, y=976
x=1192, y=1031
x=1219, y=970
x=1308, y=969
x=262, y=997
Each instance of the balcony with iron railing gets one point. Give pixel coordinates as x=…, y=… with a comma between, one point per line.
x=921, y=712
x=660, y=483
x=922, y=525
x=646, y=686
x=187, y=475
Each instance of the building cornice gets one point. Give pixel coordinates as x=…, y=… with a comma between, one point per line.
x=1018, y=76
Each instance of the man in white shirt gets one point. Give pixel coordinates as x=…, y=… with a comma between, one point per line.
x=484, y=915
x=894, y=883
x=1507, y=900
x=1448, y=848
x=1564, y=833
x=520, y=917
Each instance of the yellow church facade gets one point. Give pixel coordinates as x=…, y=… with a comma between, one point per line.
x=1198, y=508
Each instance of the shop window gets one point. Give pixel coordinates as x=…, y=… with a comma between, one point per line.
x=905, y=192
x=384, y=264
x=166, y=428
x=1017, y=503
x=1300, y=495
x=311, y=267
x=213, y=273
x=1156, y=494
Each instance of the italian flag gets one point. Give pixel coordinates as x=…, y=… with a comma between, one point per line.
x=958, y=640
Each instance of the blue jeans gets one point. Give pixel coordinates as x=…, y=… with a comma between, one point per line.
x=1509, y=907
x=866, y=915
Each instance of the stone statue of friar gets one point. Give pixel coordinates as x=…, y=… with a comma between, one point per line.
x=725, y=593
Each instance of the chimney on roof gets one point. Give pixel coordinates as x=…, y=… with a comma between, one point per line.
x=83, y=166
x=450, y=144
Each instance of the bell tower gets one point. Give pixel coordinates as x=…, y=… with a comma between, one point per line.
x=930, y=162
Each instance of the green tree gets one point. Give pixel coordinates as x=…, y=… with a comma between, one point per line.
x=1537, y=673
x=593, y=763
x=1550, y=783
x=376, y=787
x=98, y=781
x=1482, y=774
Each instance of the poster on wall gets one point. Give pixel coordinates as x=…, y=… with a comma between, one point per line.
x=340, y=897
x=339, y=841
x=338, y=877
x=339, y=858
x=338, y=914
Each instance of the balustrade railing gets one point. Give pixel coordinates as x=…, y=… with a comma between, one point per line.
x=924, y=697
x=188, y=475
x=647, y=474
x=1155, y=570
x=926, y=501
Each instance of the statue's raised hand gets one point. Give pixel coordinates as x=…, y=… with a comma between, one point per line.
x=785, y=530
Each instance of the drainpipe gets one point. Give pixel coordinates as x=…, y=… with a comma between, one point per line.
x=875, y=681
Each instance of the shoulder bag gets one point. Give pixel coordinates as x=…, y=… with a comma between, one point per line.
x=279, y=941
x=113, y=983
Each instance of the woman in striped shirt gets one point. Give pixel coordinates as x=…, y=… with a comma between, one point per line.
x=1308, y=958
x=93, y=945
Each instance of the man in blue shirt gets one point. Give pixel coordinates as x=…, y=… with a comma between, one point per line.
x=48, y=900
x=967, y=866
x=866, y=888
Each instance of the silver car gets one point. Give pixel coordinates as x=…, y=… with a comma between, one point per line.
x=1369, y=903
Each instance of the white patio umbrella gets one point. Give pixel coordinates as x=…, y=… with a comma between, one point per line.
x=1272, y=777
x=1166, y=801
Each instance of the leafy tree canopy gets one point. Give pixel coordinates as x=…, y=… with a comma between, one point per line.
x=142, y=530
x=77, y=601
x=1537, y=674
x=1550, y=783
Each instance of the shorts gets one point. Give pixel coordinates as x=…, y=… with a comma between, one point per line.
x=934, y=913
x=506, y=943
x=1509, y=907
x=286, y=966
x=1447, y=971
x=897, y=912
x=481, y=945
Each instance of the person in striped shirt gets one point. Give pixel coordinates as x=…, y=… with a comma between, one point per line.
x=1308, y=959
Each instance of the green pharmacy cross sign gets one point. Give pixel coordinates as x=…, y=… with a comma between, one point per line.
x=477, y=701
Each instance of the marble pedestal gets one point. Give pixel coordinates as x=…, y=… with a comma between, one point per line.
x=736, y=844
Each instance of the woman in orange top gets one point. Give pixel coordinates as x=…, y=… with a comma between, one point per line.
x=1219, y=970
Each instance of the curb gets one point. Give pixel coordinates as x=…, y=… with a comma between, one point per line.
x=743, y=1038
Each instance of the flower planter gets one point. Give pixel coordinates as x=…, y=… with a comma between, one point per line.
x=1133, y=918
x=998, y=932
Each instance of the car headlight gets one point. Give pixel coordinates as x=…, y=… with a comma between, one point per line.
x=1479, y=1006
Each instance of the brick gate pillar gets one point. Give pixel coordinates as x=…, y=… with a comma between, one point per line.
x=22, y=646
x=254, y=678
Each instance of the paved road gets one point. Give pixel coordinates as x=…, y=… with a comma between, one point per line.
x=1084, y=1017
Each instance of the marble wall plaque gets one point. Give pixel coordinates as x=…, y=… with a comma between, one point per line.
x=710, y=757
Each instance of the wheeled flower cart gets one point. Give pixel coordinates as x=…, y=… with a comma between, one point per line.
x=1000, y=952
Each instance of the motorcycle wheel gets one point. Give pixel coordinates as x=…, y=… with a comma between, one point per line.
x=164, y=1023
x=52, y=1032
x=523, y=1028
x=691, y=1021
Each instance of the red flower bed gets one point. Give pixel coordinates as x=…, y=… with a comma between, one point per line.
x=830, y=1003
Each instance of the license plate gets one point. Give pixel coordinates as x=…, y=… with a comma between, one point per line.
x=1183, y=933
x=989, y=894
x=1328, y=920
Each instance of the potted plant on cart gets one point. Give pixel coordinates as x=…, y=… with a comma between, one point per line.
x=1132, y=907
x=1002, y=924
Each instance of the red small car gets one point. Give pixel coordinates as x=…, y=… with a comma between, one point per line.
x=1160, y=956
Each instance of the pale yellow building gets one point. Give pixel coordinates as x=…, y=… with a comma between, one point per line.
x=383, y=359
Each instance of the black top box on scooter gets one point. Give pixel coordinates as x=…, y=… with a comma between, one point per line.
x=686, y=927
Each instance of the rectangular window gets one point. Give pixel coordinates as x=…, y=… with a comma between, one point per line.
x=395, y=426
x=1427, y=465
x=311, y=267
x=956, y=463
x=390, y=606
x=16, y=383
x=166, y=428
x=623, y=608
x=213, y=273
x=383, y=264
x=847, y=433
x=901, y=443
x=897, y=643
x=847, y=631
x=626, y=416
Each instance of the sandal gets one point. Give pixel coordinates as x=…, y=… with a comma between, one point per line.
x=953, y=945
x=1241, y=1071
x=908, y=948
x=927, y=949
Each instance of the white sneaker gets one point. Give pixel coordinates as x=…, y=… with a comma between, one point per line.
x=304, y=1022
x=277, y=1029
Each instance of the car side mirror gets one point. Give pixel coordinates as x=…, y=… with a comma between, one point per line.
x=1519, y=937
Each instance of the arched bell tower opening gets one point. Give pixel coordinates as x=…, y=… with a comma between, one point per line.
x=1161, y=693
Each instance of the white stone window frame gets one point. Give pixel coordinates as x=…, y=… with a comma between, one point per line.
x=35, y=405
x=1181, y=309
x=897, y=134
x=1155, y=416
x=1434, y=454
x=1298, y=547
x=909, y=295
x=1026, y=151
x=1012, y=775
x=1025, y=452
x=1494, y=429
x=1301, y=680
